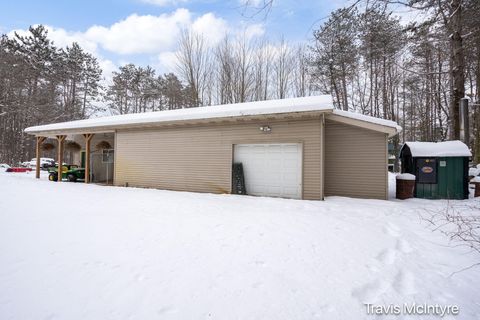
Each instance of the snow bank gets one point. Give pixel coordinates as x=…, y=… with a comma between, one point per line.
x=475, y=180
x=475, y=171
x=303, y=104
x=453, y=148
x=406, y=176
x=362, y=117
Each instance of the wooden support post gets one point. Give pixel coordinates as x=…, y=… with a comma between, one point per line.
x=88, y=138
x=40, y=140
x=60, y=140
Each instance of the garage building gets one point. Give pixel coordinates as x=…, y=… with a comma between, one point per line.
x=297, y=148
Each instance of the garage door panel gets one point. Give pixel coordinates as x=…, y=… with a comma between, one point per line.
x=275, y=191
x=290, y=192
x=274, y=161
x=271, y=169
x=276, y=181
x=257, y=189
x=289, y=176
x=288, y=163
x=290, y=148
x=258, y=150
x=274, y=149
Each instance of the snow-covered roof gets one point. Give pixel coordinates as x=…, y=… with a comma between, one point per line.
x=303, y=104
x=323, y=103
x=453, y=148
x=362, y=117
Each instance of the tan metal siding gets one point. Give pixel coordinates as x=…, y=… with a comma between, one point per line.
x=199, y=158
x=355, y=161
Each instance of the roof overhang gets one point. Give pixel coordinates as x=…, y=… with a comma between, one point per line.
x=282, y=109
x=391, y=130
x=178, y=123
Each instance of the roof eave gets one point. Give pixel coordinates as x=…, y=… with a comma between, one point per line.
x=390, y=130
x=157, y=124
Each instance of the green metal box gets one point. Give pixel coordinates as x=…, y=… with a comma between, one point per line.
x=451, y=176
x=441, y=169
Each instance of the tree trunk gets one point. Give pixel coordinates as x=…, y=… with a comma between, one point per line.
x=457, y=68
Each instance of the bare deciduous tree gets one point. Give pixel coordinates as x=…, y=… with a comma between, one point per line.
x=282, y=68
x=194, y=65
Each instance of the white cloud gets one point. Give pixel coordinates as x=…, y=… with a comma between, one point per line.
x=254, y=31
x=62, y=38
x=163, y=3
x=20, y=32
x=107, y=67
x=213, y=29
x=166, y=61
x=152, y=35
x=141, y=34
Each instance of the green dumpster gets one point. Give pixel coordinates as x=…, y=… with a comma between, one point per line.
x=440, y=168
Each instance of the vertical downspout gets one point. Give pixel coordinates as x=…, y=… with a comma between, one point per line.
x=115, y=158
x=386, y=167
x=322, y=156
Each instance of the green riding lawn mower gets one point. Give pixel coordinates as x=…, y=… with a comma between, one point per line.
x=72, y=173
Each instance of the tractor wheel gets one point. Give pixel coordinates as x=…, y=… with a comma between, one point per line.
x=71, y=178
x=52, y=177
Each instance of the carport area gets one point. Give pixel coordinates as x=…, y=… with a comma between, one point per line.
x=93, y=152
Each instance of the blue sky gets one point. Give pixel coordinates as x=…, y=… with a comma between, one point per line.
x=146, y=31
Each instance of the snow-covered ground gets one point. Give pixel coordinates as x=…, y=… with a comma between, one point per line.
x=75, y=251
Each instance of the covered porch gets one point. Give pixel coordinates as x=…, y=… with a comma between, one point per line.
x=91, y=154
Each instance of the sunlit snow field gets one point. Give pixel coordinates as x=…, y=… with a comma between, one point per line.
x=76, y=251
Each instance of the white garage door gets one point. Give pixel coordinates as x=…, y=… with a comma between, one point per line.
x=271, y=169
